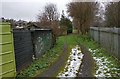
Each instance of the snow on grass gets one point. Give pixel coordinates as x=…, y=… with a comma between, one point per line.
x=105, y=68
x=73, y=63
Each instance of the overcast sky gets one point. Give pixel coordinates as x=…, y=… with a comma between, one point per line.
x=28, y=9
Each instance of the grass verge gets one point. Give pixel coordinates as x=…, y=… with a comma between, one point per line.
x=51, y=56
x=102, y=55
x=43, y=63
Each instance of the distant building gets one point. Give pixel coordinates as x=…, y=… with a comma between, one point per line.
x=21, y=24
x=32, y=25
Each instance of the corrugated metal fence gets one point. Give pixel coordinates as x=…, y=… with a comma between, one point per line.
x=28, y=43
x=108, y=38
x=42, y=41
x=23, y=48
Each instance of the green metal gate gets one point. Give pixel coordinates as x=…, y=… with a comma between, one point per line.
x=7, y=58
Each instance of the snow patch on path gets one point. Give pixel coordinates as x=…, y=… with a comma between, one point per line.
x=73, y=63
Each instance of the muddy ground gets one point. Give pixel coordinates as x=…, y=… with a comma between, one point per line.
x=87, y=69
x=55, y=67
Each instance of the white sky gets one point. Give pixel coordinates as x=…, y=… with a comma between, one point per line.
x=28, y=9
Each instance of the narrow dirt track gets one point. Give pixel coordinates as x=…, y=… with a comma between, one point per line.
x=87, y=68
x=57, y=65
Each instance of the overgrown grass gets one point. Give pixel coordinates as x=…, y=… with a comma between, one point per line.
x=44, y=62
x=53, y=54
x=89, y=43
x=113, y=62
x=70, y=40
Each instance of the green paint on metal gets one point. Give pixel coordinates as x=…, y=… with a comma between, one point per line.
x=7, y=58
x=43, y=42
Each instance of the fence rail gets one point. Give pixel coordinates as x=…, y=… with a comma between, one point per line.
x=108, y=38
x=7, y=58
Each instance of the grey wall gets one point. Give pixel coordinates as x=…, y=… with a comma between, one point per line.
x=108, y=38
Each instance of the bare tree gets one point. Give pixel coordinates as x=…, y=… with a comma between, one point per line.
x=113, y=14
x=83, y=14
x=43, y=20
x=49, y=15
x=100, y=15
x=49, y=19
x=51, y=12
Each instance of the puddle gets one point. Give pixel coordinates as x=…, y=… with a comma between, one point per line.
x=73, y=63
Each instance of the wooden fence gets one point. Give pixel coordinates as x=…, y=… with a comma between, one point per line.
x=108, y=38
x=18, y=47
x=7, y=58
